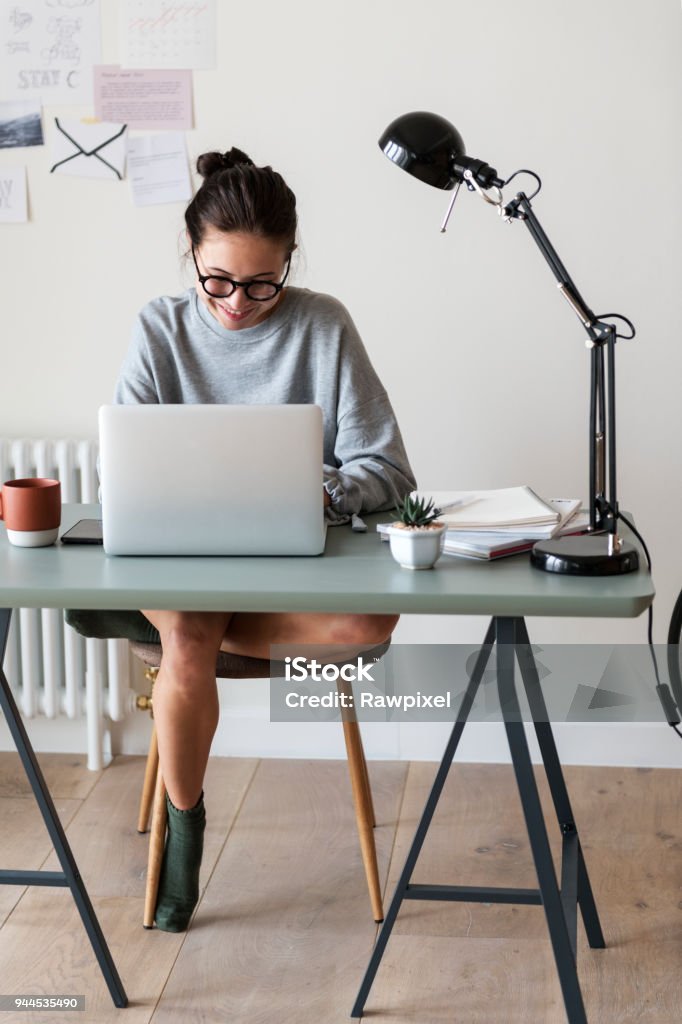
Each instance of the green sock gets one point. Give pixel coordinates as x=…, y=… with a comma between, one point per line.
x=179, y=884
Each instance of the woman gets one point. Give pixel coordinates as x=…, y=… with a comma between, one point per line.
x=239, y=336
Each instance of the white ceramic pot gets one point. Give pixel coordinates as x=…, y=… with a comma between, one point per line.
x=417, y=547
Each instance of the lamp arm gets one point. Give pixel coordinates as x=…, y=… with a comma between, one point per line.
x=601, y=337
x=520, y=209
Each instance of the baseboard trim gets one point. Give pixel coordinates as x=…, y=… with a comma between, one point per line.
x=245, y=730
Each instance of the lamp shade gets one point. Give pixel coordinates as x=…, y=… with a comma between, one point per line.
x=425, y=145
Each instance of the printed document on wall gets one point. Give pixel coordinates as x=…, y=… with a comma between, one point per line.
x=48, y=49
x=157, y=168
x=144, y=98
x=13, y=203
x=167, y=33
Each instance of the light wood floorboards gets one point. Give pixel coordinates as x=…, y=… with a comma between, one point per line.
x=283, y=931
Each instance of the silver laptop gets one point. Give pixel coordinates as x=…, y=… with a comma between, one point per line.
x=211, y=479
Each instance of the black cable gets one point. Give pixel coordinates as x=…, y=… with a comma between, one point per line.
x=650, y=631
x=663, y=691
x=674, y=668
x=619, y=316
x=640, y=538
x=532, y=174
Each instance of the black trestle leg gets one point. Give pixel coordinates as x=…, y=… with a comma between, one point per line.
x=70, y=875
x=423, y=826
x=575, y=879
x=564, y=955
x=560, y=905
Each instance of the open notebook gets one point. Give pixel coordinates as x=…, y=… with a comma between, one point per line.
x=516, y=507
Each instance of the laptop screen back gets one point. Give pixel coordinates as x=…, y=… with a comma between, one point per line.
x=212, y=479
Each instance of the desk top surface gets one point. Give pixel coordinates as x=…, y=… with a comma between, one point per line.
x=355, y=574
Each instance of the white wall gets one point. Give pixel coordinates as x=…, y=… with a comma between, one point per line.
x=484, y=361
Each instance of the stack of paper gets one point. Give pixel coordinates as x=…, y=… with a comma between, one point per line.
x=489, y=544
x=492, y=524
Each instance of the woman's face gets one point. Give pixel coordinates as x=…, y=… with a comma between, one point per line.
x=244, y=258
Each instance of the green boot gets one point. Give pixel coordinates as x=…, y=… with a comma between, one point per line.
x=179, y=883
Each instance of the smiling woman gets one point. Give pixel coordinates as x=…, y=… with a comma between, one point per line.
x=240, y=303
x=241, y=335
x=242, y=229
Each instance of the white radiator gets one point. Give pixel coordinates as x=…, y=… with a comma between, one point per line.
x=52, y=670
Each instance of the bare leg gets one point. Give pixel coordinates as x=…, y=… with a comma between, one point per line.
x=186, y=714
x=185, y=694
x=186, y=698
x=343, y=636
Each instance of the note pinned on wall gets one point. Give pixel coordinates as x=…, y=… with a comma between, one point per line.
x=48, y=49
x=88, y=150
x=167, y=33
x=143, y=99
x=13, y=200
x=158, y=170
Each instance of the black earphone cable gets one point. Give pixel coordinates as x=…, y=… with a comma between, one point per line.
x=663, y=690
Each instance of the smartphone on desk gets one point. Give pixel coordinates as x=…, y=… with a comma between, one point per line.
x=86, y=531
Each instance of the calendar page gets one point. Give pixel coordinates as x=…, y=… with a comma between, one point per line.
x=168, y=33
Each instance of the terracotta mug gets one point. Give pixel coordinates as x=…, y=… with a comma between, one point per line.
x=32, y=510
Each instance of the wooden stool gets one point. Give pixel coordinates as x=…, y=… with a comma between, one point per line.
x=232, y=666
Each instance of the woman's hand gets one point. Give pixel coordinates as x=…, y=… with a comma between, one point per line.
x=327, y=499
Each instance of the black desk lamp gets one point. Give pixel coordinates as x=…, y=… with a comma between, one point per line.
x=431, y=149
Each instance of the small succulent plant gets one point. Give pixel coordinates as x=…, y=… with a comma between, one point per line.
x=416, y=511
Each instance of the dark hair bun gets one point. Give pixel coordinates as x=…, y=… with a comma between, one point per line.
x=209, y=163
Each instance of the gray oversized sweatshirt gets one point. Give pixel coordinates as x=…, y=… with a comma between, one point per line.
x=307, y=351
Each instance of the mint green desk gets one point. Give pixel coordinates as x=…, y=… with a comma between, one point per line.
x=356, y=574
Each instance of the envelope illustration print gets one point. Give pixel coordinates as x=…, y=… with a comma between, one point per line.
x=89, y=150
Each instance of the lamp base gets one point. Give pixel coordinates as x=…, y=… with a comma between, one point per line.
x=584, y=556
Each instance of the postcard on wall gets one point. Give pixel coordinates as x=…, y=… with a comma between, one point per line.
x=85, y=150
x=13, y=201
x=167, y=33
x=158, y=169
x=48, y=49
x=20, y=124
x=143, y=98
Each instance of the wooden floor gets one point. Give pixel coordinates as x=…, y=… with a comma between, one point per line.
x=283, y=931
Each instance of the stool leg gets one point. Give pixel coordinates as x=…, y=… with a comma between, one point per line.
x=363, y=815
x=365, y=776
x=149, y=783
x=157, y=841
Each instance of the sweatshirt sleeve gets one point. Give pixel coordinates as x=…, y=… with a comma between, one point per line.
x=371, y=472
x=135, y=384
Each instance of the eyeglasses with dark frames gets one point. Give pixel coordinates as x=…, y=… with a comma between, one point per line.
x=222, y=287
